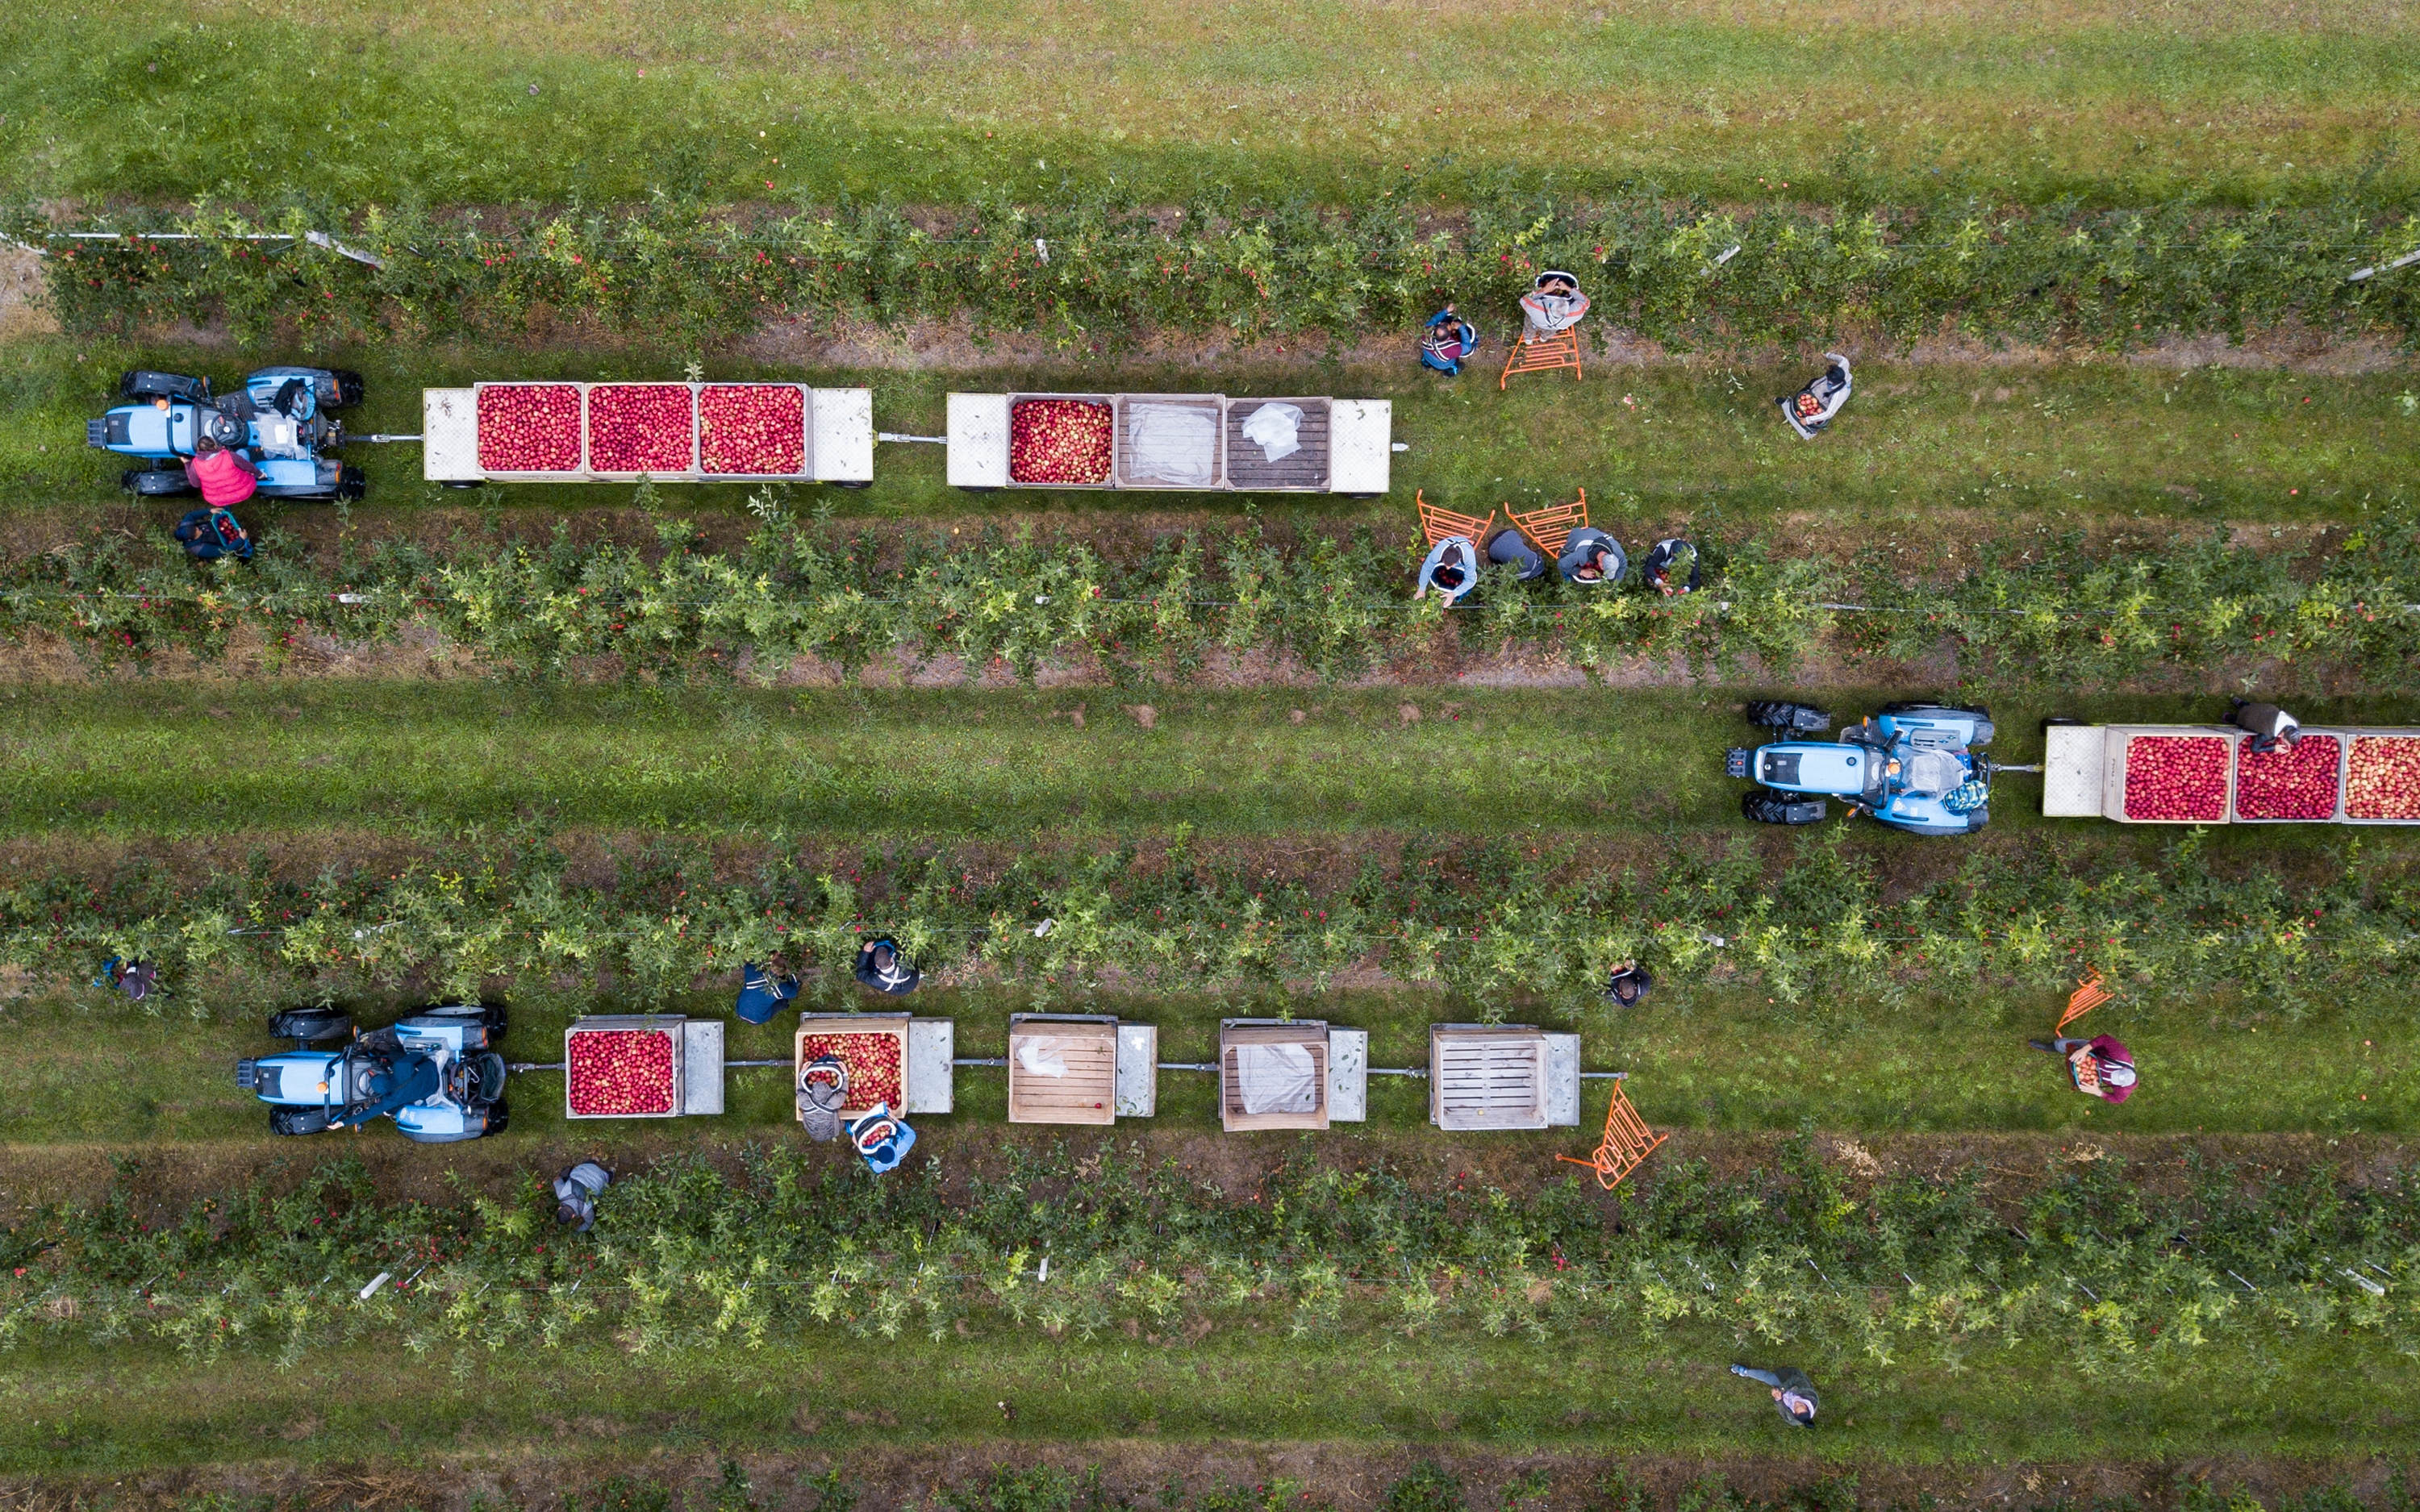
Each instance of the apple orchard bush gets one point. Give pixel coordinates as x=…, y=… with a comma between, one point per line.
x=2110, y=1279
x=2038, y=610
x=1494, y=924
x=693, y=272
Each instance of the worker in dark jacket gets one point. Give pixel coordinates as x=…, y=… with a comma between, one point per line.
x=2099, y=1066
x=1628, y=985
x=764, y=991
x=2272, y=728
x=880, y=966
x=1511, y=548
x=1793, y=1393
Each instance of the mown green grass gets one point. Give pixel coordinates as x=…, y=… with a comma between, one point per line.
x=76, y=1409
x=169, y=758
x=373, y=100
x=1648, y=445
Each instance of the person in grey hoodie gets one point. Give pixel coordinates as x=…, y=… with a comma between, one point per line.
x=1793, y=1393
x=576, y=1192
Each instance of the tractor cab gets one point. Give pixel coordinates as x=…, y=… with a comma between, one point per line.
x=435, y=1074
x=1914, y=767
x=280, y=419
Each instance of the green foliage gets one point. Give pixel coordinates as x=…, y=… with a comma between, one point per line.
x=2119, y=1279
x=688, y=269
x=1427, y=1488
x=2044, y=609
x=1493, y=922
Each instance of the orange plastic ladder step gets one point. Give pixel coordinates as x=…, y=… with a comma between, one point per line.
x=1627, y=1142
x=1443, y=524
x=1548, y=529
x=2089, y=995
x=1545, y=355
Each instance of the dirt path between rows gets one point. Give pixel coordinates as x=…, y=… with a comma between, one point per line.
x=1347, y=1476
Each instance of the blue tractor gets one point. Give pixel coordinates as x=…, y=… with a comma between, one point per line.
x=436, y=1073
x=1914, y=767
x=280, y=419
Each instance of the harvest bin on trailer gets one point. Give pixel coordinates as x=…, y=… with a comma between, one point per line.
x=641, y=1066
x=1081, y=1068
x=1199, y=441
x=1503, y=1076
x=2144, y=774
x=671, y=432
x=1275, y=1074
x=892, y=1058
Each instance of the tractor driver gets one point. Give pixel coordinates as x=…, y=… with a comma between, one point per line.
x=225, y=477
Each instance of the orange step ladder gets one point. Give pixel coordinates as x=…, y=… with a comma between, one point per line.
x=1627, y=1142
x=1548, y=529
x=2089, y=995
x=1543, y=355
x=1444, y=524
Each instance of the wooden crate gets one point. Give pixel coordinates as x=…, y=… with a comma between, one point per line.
x=1250, y=468
x=1087, y=1093
x=1233, y=1035
x=1206, y=405
x=1487, y=1076
x=892, y=1026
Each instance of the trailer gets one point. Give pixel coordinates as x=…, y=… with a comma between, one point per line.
x=1081, y=1069
x=563, y=432
x=1192, y=442
x=2147, y=774
x=643, y=1066
x=897, y=1062
x=1502, y=1077
x=1299, y=1073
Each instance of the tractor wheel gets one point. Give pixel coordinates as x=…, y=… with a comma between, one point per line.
x=500, y=1117
x=350, y=387
x=1766, y=807
x=1774, y=714
x=492, y=1015
x=298, y=1121
x=352, y=483
x=141, y=383
x=155, y=483
x=309, y=1024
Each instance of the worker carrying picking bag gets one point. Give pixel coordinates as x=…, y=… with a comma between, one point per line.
x=1812, y=408
x=1447, y=342
x=1553, y=305
x=2099, y=1067
x=880, y=966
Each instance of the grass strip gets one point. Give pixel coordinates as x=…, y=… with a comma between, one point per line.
x=1942, y=1060
x=886, y=101
x=2094, y=1278
x=93, y=1412
x=190, y=759
x=2019, y=442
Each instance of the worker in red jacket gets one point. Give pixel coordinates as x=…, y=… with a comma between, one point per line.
x=2099, y=1066
x=225, y=478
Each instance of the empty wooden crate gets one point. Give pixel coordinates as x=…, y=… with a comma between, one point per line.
x=1502, y=1077
x=1063, y=1068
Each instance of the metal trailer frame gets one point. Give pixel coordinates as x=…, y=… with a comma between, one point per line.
x=838, y=438
x=1359, y=434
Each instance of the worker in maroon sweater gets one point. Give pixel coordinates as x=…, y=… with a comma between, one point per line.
x=2099, y=1066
